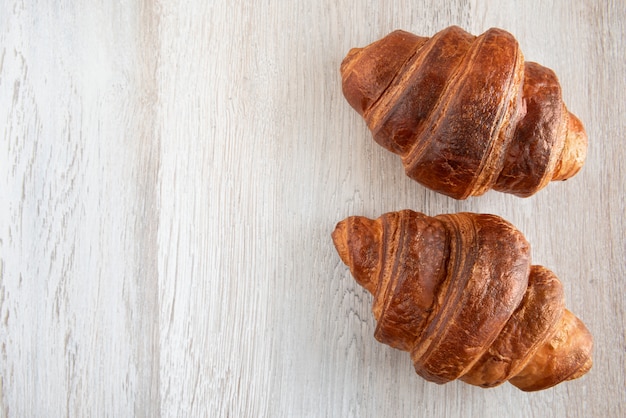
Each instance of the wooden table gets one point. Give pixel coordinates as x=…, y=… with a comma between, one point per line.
x=169, y=179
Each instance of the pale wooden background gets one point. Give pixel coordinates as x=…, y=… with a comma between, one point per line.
x=169, y=179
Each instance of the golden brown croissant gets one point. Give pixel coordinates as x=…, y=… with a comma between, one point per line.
x=458, y=292
x=465, y=113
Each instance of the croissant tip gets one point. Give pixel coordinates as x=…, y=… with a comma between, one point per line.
x=340, y=240
x=349, y=60
x=574, y=151
x=567, y=355
x=357, y=242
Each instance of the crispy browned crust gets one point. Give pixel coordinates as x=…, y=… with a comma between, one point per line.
x=465, y=113
x=459, y=293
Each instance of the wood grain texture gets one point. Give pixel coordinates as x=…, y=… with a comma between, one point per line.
x=170, y=177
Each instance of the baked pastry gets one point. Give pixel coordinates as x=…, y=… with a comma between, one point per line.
x=460, y=294
x=466, y=114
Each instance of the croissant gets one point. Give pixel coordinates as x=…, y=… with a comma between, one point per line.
x=466, y=114
x=459, y=293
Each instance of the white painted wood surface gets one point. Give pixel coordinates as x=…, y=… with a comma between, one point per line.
x=169, y=178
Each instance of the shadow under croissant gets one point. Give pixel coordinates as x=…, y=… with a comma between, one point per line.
x=459, y=293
